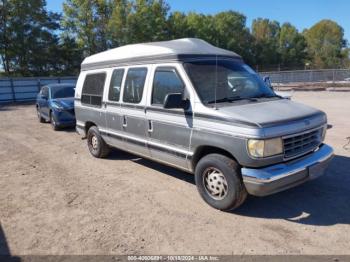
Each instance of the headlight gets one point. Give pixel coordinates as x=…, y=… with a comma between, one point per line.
x=265, y=148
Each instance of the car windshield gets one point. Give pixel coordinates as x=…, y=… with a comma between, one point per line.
x=62, y=92
x=226, y=81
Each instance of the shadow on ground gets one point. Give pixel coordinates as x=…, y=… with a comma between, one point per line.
x=5, y=254
x=322, y=202
x=121, y=155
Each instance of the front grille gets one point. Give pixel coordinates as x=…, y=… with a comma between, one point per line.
x=302, y=143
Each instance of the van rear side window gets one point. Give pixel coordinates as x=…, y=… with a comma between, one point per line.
x=93, y=89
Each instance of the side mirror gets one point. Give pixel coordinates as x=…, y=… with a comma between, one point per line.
x=44, y=97
x=175, y=100
x=267, y=81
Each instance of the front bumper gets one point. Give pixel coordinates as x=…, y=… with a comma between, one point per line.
x=276, y=178
x=64, y=118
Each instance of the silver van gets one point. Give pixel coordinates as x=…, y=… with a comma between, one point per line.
x=199, y=108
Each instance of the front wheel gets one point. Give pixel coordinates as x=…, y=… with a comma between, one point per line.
x=219, y=182
x=97, y=146
x=53, y=122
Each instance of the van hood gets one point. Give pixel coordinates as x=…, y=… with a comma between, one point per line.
x=271, y=113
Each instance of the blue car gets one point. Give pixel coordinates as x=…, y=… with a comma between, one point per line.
x=55, y=103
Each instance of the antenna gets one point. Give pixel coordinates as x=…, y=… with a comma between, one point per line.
x=216, y=79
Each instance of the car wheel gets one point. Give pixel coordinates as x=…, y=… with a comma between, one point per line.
x=53, y=122
x=219, y=182
x=97, y=146
x=41, y=119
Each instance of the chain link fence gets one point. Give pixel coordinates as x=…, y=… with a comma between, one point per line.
x=305, y=76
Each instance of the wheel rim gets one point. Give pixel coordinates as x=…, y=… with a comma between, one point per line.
x=94, y=142
x=38, y=112
x=215, y=183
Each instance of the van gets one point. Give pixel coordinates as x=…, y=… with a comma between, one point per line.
x=201, y=109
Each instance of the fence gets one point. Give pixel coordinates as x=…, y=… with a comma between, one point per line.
x=324, y=75
x=26, y=88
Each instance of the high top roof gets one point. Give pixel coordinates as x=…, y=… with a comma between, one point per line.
x=155, y=51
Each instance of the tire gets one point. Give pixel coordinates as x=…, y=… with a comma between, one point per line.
x=53, y=122
x=97, y=146
x=219, y=182
x=38, y=113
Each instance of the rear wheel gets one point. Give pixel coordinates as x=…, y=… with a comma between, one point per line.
x=219, y=182
x=97, y=146
x=38, y=113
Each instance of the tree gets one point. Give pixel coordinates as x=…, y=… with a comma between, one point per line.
x=27, y=37
x=177, y=25
x=266, y=35
x=231, y=33
x=147, y=21
x=325, y=41
x=87, y=22
x=292, y=46
x=118, y=23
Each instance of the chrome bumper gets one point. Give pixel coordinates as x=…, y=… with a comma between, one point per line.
x=272, y=179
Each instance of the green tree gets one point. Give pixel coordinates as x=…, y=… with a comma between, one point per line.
x=118, y=23
x=177, y=25
x=325, y=41
x=27, y=37
x=266, y=35
x=87, y=21
x=147, y=21
x=292, y=46
x=231, y=33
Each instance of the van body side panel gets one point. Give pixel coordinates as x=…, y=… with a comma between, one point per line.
x=134, y=129
x=114, y=124
x=169, y=136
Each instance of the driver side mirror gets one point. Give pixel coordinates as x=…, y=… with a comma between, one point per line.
x=175, y=100
x=267, y=81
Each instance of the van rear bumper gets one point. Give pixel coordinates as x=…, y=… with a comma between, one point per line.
x=276, y=178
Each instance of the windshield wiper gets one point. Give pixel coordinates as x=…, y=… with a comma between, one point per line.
x=267, y=96
x=231, y=99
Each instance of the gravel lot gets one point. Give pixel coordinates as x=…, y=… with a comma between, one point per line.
x=57, y=199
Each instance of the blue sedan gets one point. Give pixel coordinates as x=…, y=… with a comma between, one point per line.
x=55, y=103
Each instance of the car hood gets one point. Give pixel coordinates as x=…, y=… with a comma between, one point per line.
x=67, y=102
x=271, y=113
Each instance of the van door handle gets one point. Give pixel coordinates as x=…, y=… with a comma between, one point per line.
x=150, y=126
x=125, y=124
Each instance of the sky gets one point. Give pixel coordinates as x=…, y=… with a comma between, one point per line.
x=301, y=13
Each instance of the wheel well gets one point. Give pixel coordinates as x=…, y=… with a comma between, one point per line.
x=202, y=151
x=88, y=125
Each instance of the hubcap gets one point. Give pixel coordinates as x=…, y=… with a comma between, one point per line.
x=215, y=183
x=94, y=142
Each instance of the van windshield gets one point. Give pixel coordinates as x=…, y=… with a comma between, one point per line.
x=233, y=81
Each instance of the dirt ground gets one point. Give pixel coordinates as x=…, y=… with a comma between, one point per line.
x=55, y=198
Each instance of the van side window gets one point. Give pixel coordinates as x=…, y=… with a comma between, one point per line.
x=134, y=83
x=166, y=81
x=115, y=86
x=93, y=89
